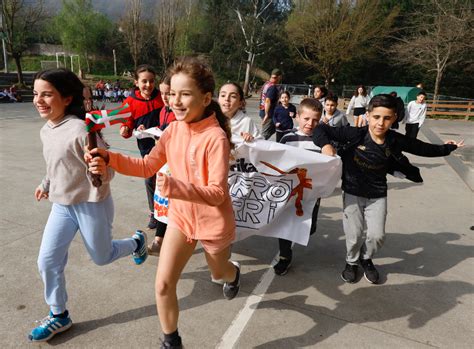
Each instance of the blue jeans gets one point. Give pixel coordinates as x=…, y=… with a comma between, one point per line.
x=94, y=220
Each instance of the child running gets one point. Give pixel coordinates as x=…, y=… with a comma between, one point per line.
x=77, y=204
x=166, y=117
x=369, y=154
x=308, y=116
x=283, y=116
x=145, y=104
x=197, y=149
x=232, y=102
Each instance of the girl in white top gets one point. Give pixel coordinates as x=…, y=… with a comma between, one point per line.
x=232, y=102
x=359, y=102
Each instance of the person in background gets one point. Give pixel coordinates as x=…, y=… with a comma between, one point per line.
x=268, y=103
x=415, y=115
x=331, y=115
x=145, y=104
x=320, y=93
x=358, y=104
x=283, y=116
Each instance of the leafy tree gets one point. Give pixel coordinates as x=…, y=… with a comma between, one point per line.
x=441, y=36
x=132, y=28
x=82, y=29
x=330, y=33
x=20, y=21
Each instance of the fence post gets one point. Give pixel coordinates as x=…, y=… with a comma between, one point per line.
x=469, y=108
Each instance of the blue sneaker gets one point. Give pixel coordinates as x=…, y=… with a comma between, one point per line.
x=48, y=327
x=141, y=253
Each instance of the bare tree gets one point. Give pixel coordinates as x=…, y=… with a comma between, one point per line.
x=132, y=28
x=330, y=33
x=252, y=26
x=168, y=13
x=19, y=21
x=442, y=34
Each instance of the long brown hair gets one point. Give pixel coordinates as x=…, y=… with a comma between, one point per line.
x=202, y=74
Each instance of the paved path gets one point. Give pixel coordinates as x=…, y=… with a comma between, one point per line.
x=425, y=298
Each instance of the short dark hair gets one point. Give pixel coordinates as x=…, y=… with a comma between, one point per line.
x=332, y=97
x=142, y=68
x=383, y=100
x=421, y=93
x=311, y=104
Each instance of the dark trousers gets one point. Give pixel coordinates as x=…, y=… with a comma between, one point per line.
x=411, y=130
x=161, y=229
x=150, y=191
x=285, y=245
x=279, y=135
x=268, y=129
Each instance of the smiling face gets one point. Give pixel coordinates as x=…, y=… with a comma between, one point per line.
x=186, y=99
x=284, y=100
x=48, y=101
x=307, y=120
x=145, y=83
x=380, y=119
x=229, y=100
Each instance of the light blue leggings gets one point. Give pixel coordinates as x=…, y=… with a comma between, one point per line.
x=94, y=220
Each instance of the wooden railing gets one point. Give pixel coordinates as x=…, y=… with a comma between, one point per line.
x=454, y=109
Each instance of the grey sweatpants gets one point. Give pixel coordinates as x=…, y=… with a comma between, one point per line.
x=357, y=210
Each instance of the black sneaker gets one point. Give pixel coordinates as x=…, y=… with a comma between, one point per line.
x=349, y=274
x=171, y=345
x=281, y=268
x=371, y=274
x=231, y=289
x=153, y=223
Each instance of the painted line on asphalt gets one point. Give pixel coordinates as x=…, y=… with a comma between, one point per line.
x=231, y=336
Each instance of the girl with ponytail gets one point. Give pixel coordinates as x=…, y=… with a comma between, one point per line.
x=196, y=148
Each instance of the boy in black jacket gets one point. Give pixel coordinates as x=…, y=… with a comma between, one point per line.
x=368, y=154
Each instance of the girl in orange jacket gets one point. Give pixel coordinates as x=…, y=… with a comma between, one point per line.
x=197, y=149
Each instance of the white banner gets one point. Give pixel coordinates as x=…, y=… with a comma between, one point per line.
x=161, y=203
x=274, y=188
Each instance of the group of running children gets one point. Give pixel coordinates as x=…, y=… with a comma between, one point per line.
x=199, y=135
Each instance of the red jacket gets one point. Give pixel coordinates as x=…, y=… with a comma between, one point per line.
x=144, y=112
x=166, y=116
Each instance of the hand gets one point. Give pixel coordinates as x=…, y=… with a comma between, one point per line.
x=459, y=144
x=277, y=125
x=140, y=128
x=124, y=131
x=328, y=149
x=247, y=136
x=41, y=194
x=361, y=122
x=160, y=180
x=97, y=166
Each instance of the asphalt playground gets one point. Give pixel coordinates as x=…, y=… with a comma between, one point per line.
x=424, y=300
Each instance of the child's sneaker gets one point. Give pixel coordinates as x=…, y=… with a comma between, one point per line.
x=281, y=268
x=141, y=253
x=349, y=274
x=231, y=289
x=50, y=326
x=371, y=274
